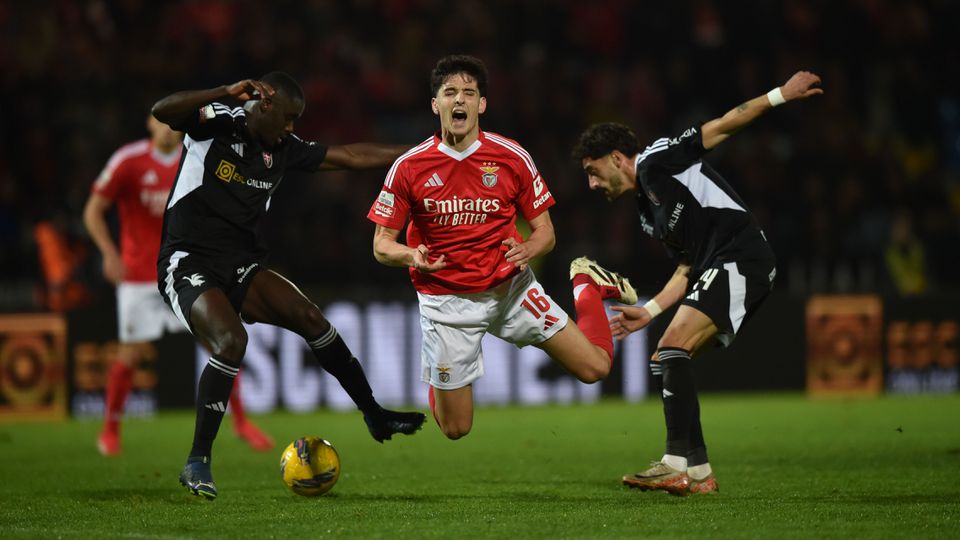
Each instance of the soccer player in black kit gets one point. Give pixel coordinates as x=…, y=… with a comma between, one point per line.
x=707, y=228
x=238, y=146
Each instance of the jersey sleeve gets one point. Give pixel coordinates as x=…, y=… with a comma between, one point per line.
x=109, y=183
x=394, y=201
x=304, y=155
x=211, y=120
x=674, y=154
x=534, y=196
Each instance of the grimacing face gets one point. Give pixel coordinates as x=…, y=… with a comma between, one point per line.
x=275, y=118
x=459, y=105
x=604, y=174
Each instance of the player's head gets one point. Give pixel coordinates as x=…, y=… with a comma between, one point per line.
x=271, y=118
x=606, y=152
x=459, y=86
x=163, y=138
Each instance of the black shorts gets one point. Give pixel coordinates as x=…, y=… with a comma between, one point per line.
x=182, y=278
x=730, y=293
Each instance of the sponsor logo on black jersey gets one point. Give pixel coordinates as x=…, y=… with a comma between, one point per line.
x=227, y=172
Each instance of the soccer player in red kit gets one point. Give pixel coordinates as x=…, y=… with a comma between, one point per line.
x=137, y=179
x=461, y=191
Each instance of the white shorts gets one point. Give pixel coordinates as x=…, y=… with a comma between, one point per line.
x=142, y=314
x=517, y=311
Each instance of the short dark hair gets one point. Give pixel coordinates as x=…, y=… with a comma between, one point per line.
x=284, y=84
x=458, y=63
x=601, y=139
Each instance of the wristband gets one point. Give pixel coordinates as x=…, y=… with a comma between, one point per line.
x=775, y=97
x=653, y=308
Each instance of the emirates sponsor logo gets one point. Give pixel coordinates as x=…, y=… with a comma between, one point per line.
x=457, y=211
x=456, y=204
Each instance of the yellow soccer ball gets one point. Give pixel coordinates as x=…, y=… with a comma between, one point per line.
x=310, y=466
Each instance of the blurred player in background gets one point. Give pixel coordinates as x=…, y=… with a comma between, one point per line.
x=462, y=190
x=707, y=228
x=239, y=145
x=137, y=179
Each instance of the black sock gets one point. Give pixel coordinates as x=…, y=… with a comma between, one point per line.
x=679, y=398
x=213, y=394
x=335, y=357
x=697, y=453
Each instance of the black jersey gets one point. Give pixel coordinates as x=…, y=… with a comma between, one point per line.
x=223, y=188
x=689, y=207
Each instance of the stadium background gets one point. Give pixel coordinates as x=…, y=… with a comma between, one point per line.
x=858, y=190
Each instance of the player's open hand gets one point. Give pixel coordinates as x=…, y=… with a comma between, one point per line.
x=803, y=84
x=248, y=89
x=630, y=319
x=421, y=260
x=518, y=253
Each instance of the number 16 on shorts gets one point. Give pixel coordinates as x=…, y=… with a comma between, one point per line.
x=538, y=304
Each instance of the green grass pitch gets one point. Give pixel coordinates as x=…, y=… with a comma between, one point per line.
x=788, y=467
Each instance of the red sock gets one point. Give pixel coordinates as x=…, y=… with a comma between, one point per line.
x=236, y=404
x=433, y=403
x=591, y=316
x=119, y=384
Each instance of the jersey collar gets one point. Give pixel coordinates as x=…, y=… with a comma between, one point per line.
x=459, y=156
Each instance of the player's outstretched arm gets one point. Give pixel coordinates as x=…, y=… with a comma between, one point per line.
x=388, y=251
x=362, y=155
x=802, y=85
x=176, y=107
x=632, y=318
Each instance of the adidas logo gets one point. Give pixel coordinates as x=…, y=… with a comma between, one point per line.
x=549, y=321
x=695, y=296
x=611, y=279
x=433, y=181
x=218, y=406
x=667, y=393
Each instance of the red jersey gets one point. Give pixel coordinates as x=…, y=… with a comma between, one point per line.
x=138, y=179
x=462, y=205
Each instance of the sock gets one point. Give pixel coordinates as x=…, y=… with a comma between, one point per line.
x=591, y=316
x=213, y=394
x=679, y=398
x=119, y=384
x=699, y=472
x=697, y=453
x=336, y=359
x=675, y=462
x=236, y=404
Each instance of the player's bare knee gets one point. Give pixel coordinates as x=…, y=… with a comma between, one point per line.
x=230, y=345
x=312, y=321
x=596, y=370
x=454, y=430
x=673, y=338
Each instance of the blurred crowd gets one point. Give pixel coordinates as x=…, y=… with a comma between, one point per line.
x=858, y=189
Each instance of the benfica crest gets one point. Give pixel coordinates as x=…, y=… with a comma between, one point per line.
x=489, y=174
x=268, y=159
x=444, y=374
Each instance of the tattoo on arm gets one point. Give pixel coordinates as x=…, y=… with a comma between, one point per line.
x=742, y=107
